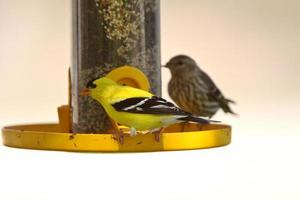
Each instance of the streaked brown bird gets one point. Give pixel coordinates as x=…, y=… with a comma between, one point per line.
x=193, y=90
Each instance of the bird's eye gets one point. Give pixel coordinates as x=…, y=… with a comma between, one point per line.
x=180, y=63
x=91, y=84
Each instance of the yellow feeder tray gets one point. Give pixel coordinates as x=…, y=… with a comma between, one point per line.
x=49, y=137
x=58, y=137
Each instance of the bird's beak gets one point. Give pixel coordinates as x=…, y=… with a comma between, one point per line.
x=85, y=92
x=167, y=65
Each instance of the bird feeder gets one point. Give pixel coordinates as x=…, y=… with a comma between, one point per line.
x=108, y=34
x=120, y=40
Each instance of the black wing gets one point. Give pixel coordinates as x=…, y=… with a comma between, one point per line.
x=148, y=105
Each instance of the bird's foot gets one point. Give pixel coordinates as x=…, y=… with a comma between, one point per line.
x=157, y=137
x=200, y=127
x=184, y=124
x=157, y=134
x=118, y=135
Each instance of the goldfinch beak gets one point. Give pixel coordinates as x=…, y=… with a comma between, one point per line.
x=85, y=92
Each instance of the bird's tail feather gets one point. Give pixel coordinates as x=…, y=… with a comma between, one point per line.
x=196, y=119
x=226, y=108
x=230, y=101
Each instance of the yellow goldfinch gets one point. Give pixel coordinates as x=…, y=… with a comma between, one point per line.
x=193, y=90
x=137, y=109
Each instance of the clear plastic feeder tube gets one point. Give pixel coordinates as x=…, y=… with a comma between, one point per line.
x=108, y=34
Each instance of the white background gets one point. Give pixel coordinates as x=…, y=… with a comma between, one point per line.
x=251, y=49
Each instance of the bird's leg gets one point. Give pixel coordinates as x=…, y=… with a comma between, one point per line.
x=121, y=137
x=118, y=134
x=157, y=134
x=200, y=126
x=183, y=126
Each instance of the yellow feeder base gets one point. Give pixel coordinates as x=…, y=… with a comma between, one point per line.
x=50, y=137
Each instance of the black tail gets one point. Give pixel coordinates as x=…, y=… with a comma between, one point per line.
x=197, y=119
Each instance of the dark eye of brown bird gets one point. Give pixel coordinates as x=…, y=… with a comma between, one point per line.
x=180, y=63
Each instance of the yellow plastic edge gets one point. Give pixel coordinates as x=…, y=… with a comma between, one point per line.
x=130, y=76
x=49, y=137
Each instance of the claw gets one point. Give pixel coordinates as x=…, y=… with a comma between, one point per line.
x=118, y=135
x=200, y=127
x=183, y=126
x=157, y=137
x=157, y=134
